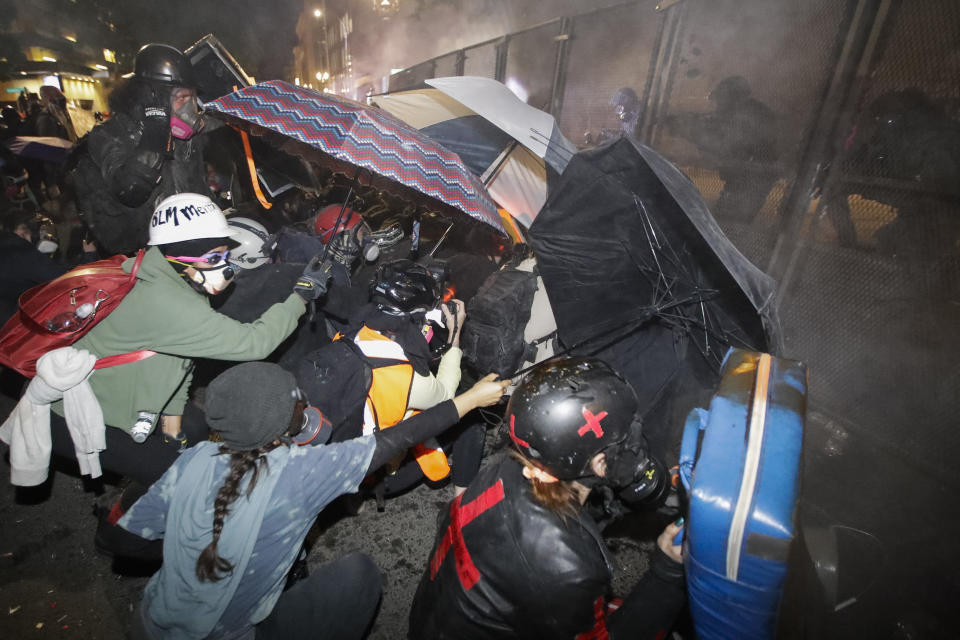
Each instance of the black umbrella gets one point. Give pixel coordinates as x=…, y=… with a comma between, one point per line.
x=639, y=274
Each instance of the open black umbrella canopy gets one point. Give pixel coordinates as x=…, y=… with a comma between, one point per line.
x=638, y=272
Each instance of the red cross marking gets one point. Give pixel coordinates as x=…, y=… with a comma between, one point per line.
x=599, y=630
x=513, y=434
x=592, y=423
x=459, y=518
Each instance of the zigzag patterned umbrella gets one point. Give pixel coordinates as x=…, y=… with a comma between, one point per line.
x=355, y=135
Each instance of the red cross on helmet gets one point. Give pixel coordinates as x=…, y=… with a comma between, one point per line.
x=568, y=410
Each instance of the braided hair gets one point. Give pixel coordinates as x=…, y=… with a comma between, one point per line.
x=211, y=566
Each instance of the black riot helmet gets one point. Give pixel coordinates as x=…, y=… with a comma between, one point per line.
x=568, y=410
x=403, y=286
x=165, y=65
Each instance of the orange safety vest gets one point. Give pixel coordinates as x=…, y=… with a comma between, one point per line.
x=389, y=395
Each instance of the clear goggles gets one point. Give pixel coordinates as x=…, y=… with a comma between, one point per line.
x=213, y=257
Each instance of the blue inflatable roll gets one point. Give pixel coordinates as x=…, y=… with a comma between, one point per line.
x=743, y=484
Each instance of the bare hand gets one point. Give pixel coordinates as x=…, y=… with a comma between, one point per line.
x=665, y=542
x=484, y=393
x=170, y=425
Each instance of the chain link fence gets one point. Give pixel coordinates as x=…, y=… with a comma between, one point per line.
x=825, y=136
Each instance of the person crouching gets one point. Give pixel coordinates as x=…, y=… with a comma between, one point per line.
x=233, y=516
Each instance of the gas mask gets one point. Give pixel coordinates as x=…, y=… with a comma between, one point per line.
x=369, y=249
x=214, y=280
x=185, y=121
x=316, y=429
x=637, y=478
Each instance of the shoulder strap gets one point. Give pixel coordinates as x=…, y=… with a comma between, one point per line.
x=136, y=265
x=123, y=358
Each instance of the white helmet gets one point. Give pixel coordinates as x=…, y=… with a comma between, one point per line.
x=187, y=216
x=253, y=238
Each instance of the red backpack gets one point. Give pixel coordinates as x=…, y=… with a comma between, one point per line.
x=58, y=313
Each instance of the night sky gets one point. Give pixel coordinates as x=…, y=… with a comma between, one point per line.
x=261, y=34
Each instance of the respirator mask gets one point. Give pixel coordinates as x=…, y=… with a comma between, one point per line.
x=369, y=248
x=634, y=477
x=214, y=280
x=185, y=119
x=316, y=429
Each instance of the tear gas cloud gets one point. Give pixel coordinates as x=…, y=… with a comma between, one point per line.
x=423, y=30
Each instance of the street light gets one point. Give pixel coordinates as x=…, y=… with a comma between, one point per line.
x=317, y=13
x=386, y=8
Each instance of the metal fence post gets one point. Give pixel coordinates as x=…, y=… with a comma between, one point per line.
x=500, y=68
x=560, y=69
x=861, y=25
x=645, y=105
x=661, y=62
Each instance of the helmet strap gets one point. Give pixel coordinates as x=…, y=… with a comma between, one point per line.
x=181, y=269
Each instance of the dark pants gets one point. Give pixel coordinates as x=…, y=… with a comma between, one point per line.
x=144, y=462
x=464, y=442
x=652, y=606
x=338, y=601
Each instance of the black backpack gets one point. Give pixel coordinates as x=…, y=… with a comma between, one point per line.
x=492, y=338
x=335, y=379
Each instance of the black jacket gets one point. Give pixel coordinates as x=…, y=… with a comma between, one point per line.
x=118, y=186
x=21, y=267
x=539, y=576
x=514, y=569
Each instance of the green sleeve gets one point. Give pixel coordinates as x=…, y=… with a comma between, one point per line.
x=200, y=332
x=180, y=397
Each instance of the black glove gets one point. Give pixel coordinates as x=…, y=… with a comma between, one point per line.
x=312, y=283
x=155, y=119
x=138, y=179
x=344, y=248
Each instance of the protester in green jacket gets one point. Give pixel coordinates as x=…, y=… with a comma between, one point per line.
x=168, y=312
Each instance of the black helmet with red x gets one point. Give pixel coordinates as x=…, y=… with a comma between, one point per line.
x=568, y=410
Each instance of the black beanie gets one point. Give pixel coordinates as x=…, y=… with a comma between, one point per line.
x=251, y=404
